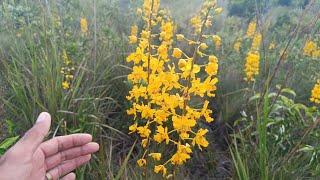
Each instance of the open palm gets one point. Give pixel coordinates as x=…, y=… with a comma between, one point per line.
x=31, y=158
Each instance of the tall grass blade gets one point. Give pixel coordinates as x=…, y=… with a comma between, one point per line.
x=125, y=162
x=102, y=158
x=263, y=152
x=240, y=164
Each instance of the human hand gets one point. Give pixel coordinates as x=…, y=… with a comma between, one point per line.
x=32, y=159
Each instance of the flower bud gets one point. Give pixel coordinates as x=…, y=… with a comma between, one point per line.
x=217, y=11
x=182, y=63
x=203, y=46
x=139, y=11
x=213, y=59
x=180, y=37
x=176, y=53
x=132, y=39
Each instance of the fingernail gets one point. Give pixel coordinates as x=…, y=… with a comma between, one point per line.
x=43, y=116
x=94, y=145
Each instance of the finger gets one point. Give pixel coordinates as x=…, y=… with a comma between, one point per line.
x=34, y=136
x=70, y=154
x=68, y=166
x=61, y=143
x=70, y=176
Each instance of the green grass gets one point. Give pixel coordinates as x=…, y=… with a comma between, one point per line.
x=30, y=69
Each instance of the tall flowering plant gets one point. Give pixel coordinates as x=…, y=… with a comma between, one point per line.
x=161, y=92
x=66, y=71
x=311, y=49
x=253, y=57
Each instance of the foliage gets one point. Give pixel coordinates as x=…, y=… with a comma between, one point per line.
x=243, y=8
x=285, y=2
x=284, y=121
x=6, y=144
x=48, y=66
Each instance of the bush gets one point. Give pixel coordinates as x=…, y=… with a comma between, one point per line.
x=285, y=2
x=242, y=8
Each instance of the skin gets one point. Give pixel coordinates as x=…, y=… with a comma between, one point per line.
x=31, y=158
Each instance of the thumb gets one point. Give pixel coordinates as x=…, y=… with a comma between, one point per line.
x=35, y=136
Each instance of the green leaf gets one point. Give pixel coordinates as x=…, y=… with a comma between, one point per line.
x=272, y=95
x=278, y=86
x=286, y=101
x=7, y=143
x=306, y=148
x=289, y=91
x=255, y=97
x=302, y=107
x=276, y=108
x=271, y=122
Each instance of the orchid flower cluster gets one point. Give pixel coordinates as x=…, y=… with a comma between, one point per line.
x=84, y=25
x=253, y=57
x=161, y=93
x=311, y=49
x=66, y=71
x=315, y=93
